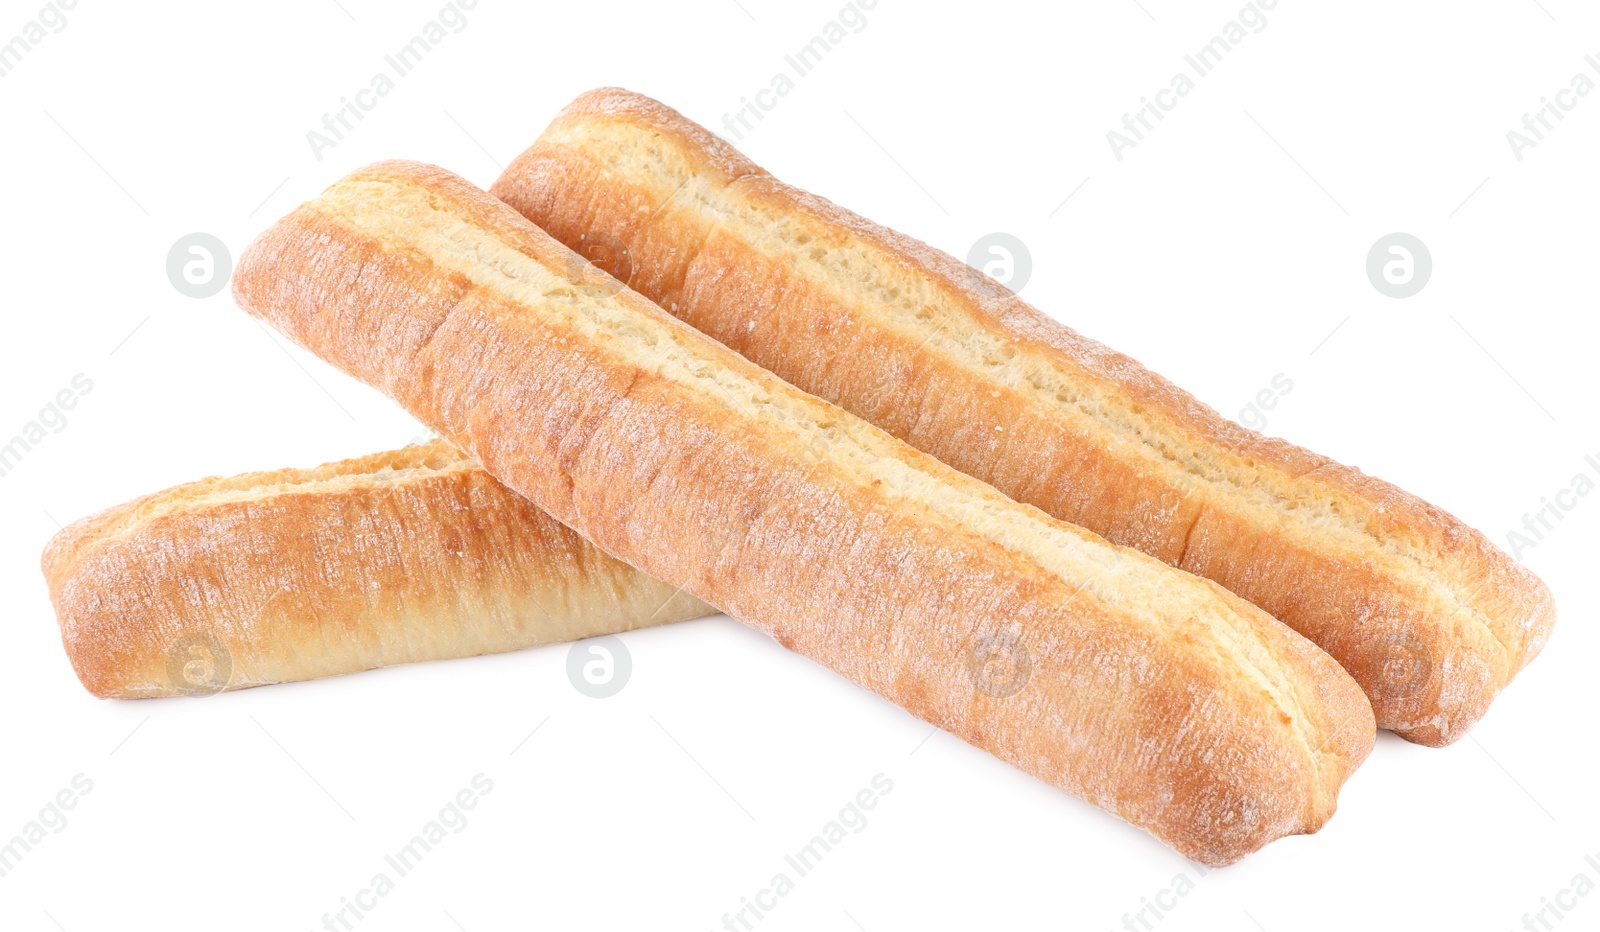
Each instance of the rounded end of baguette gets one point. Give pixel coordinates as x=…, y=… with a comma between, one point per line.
x=619, y=105
x=1234, y=813
x=1433, y=681
x=75, y=605
x=124, y=582
x=1290, y=757
x=106, y=650
x=295, y=574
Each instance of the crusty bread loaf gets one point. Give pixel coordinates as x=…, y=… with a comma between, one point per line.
x=1425, y=612
x=1145, y=690
x=291, y=575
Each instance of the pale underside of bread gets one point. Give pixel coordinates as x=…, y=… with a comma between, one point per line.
x=1152, y=693
x=1424, y=611
x=416, y=554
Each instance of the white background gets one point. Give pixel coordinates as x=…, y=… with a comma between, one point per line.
x=1221, y=251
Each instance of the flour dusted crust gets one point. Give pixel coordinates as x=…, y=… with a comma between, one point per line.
x=1424, y=612
x=416, y=554
x=1152, y=693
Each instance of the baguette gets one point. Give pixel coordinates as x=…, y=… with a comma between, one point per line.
x=1430, y=617
x=291, y=575
x=1152, y=693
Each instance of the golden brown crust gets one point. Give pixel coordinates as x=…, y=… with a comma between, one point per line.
x=1425, y=612
x=1152, y=693
x=415, y=554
